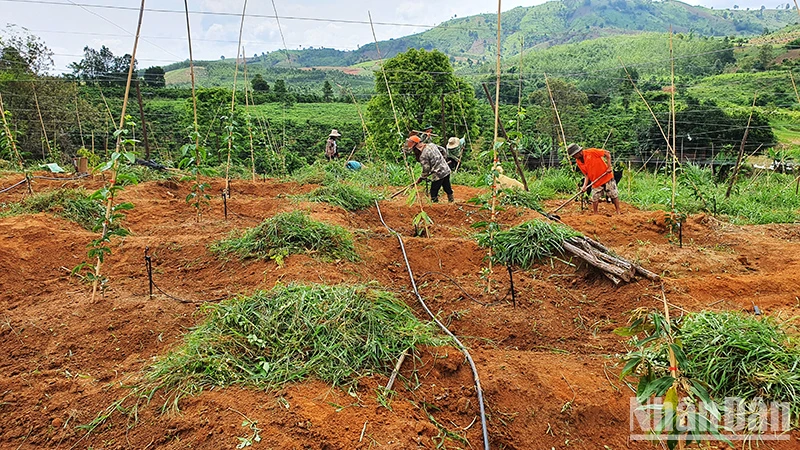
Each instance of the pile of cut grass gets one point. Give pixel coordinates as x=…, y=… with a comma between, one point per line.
x=287, y=234
x=70, y=204
x=527, y=243
x=739, y=355
x=333, y=333
x=348, y=196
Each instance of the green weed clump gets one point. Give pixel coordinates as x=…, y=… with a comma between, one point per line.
x=333, y=333
x=527, y=243
x=511, y=197
x=348, y=196
x=287, y=234
x=70, y=204
x=743, y=356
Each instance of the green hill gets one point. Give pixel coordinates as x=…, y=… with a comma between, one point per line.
x=551, y=23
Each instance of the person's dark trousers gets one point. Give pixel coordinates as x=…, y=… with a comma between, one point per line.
x=444, y=183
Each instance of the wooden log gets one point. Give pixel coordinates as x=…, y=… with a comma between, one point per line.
x=594, y=261
x=604, y=256
x=639, y=269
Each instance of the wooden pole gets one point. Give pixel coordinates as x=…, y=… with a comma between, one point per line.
x=144, y=124
x=512, y=148
x=555, y=109
x=247, y=108
x=397, y=125
x=741, y=150
x=233, y=104
x=191, y=73
x=113, y=170
x=78, y=115
x=41, y=121
x=672, y=115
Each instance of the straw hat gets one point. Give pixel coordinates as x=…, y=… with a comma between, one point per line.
x=453, y=142
x=334, y=133
x=574, y=149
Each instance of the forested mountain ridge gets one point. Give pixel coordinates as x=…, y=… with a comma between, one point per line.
x=556, y=22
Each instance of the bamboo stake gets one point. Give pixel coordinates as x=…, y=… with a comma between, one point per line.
x=44, y=132
x=741, y=150
x=78, y=115
x=558, y=116
x=233, y=105
x=495, y=160
x=519, y=91
x=673, y=362
x=9, y=136
x=397, y=125
x=113, y=169
x=669, y=146
x=191, y=74
x=672, y=111
x=247, y=108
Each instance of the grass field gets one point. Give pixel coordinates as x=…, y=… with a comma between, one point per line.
x=300, y=112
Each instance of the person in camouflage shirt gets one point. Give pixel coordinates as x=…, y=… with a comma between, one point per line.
x=433, y=165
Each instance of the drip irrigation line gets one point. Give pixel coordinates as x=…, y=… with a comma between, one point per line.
x=194, y=302
x=13, y=186
x=461, y=346
x=78, y=177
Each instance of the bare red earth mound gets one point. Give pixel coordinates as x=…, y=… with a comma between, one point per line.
x=548, y=366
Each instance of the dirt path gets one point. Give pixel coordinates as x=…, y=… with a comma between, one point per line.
x=548, y=366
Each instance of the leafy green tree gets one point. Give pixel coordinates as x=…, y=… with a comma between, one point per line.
x=425, y=90
x=280, y=90
x=764, y=58
x=154, y=77
x=260, y=84
x=102, y=66
x=27, y=49
x=327, y=92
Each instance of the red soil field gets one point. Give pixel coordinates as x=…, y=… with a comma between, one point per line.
x=548, y=366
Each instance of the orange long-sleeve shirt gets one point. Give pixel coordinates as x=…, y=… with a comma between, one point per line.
x=594, y=166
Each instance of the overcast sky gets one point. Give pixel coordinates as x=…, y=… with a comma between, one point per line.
x=67, y=26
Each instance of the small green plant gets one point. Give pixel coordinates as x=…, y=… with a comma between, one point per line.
x=192, y=157
x=348, y=196
x=253, y=435
x=421, y=222
x=657, y=361
x=525, y=244
x=290, y=233
x=511, y=197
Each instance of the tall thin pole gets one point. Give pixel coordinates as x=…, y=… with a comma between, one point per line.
x=672, y=111
x=495, y=159
x=113, y=170
x=741, y=150
x=41, y=121
x=144, y=124
x=191, y=73
x=233, y=104
x=247, y=108
x=555, y=109
x=78, y=115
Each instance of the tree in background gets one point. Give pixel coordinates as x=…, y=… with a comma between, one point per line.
x=425, y=91
x=154, y=77
x=572, y=106
x=327, y=92
x=102, y=66
x=259, y=84
x=25, y=48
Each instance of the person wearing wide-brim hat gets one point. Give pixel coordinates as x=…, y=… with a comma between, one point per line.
x=331, y=150
x=452, y=144
x=595, y=164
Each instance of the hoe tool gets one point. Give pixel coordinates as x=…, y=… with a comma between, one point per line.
x=552, y=213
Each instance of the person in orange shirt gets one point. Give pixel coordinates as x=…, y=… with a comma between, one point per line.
x=595, y=164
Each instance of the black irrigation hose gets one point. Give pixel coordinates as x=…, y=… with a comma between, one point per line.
x=194, y=302
x=444, y=328
x=13, y=186
x=79, y=177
